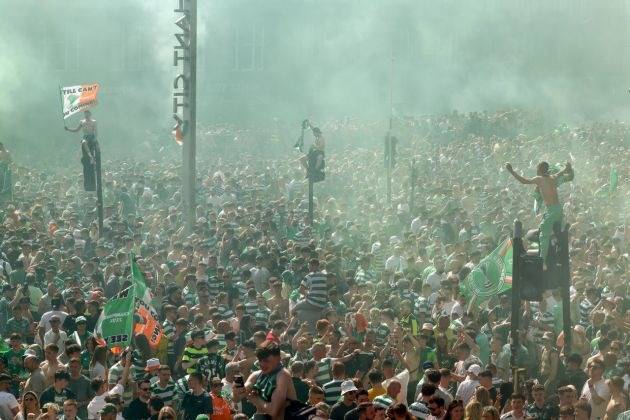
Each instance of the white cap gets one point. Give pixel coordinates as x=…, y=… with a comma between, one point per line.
x=152, y=364
x=474, y=369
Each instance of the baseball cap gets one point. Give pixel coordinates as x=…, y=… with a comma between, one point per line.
x=427, y=326
x=109, y=409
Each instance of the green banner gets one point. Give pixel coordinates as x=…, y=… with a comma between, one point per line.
x=115, y=324
x=492, y=276
x=614, y=180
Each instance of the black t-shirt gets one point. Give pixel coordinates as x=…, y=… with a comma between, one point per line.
x=194, y=405
x=301, y=389
x=49, y=395
x=137, y=410
x=535, y=412
x=339, y=410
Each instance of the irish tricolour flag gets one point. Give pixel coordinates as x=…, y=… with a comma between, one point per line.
x=78, y=98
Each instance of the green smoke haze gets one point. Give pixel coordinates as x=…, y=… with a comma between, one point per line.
x=286, y=60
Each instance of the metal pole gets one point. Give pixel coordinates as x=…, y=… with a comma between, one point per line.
x=99, y=189
x=517, y=247
x=310, y=200
x=565, y=281
x=190, y=116
x=412, y=198
x=389, y=164
x=389, y=133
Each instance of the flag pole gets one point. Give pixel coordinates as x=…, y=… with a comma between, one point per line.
x=61, y=103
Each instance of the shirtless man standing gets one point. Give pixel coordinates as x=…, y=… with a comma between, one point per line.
x=547, y=186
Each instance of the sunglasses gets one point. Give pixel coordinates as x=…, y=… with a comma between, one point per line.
x=29, y=399
x=145, y=389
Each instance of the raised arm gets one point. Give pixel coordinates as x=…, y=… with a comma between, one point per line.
x=568, y=170
x=74, y=130
x=518, y=177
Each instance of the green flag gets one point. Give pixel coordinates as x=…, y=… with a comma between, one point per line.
x=115, y=325
x=142, y=291
x=614, y=180
x=606, y=191
x=492, y=276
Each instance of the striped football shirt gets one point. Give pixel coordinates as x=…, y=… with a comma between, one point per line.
x=332, y=391
x=192, y=354
x=317, y=287
x=323, y=374
x=167, y=394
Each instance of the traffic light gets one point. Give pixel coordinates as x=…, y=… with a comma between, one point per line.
x=531, y=279
x=534, y=281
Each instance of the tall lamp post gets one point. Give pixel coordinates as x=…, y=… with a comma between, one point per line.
x=185, y=101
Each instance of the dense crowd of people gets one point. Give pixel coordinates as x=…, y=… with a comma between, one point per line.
x=357, y=316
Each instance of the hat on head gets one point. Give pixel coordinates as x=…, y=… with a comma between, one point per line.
x=152, y=364
x=427, y=365
x=29, y=356
x=475, y=369
x=347, y=386
x=202, y=417
x=109, y=408
x=80, y=320
x=427, y=326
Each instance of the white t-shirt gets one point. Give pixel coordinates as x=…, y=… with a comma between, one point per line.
x=7, y=403
x=49, y=338
x=45, y=320
x=466, y=390
x=97, y=371
x=396, y=263
x=98, y=402
x=597, y=410
x=435, y=280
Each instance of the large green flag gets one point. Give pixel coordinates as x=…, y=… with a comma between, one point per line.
x=492, y=276
x=115, y=325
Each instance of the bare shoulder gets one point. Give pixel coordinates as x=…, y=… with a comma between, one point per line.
x=253, y=377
